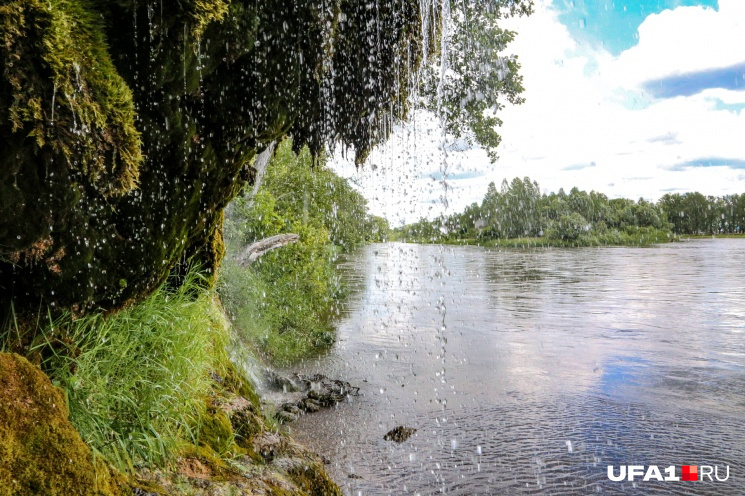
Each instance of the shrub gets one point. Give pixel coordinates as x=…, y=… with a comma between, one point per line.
x=569, y=227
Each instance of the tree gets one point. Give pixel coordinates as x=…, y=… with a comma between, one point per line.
x=478, y=78
x=569, y=227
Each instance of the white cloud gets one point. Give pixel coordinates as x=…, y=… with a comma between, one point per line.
x=683, y=40
x=585, y=105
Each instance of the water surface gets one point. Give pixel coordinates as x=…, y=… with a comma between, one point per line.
x=530, y=371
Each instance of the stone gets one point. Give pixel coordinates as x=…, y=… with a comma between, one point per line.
x=399, y=434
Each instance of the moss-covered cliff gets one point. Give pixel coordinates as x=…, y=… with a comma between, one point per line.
x=40, y=450
x=126, y=127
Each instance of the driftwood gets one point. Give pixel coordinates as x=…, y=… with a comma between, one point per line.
x=255, y=250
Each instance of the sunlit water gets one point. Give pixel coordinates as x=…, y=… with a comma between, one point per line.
x=528, y=372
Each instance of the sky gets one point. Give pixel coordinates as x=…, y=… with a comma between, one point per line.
x=632, y=98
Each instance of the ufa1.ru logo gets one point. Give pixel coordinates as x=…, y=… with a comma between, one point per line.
x=668, y=474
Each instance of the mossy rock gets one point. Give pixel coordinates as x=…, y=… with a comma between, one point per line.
x=235, y=382
x=215, y=464
x=312, y=479
x=40, y=450
x=246, y=424
x=127, y=127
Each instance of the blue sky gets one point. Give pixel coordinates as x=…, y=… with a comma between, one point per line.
x=614, y=24
x=629, y=98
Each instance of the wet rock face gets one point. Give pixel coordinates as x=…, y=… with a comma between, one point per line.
x=123, y=137
x=40, y=450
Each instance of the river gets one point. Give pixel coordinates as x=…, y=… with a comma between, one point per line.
x=530, y=371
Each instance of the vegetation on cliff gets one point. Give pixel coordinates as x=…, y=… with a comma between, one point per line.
x=281, y=304
x=153, y=392
x=132, y=125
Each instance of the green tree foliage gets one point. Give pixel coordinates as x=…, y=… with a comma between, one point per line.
x=694, y=213
x=519, y=210
x=569, y=227
x=281, y=303
x=316, y=195
x=479, y=77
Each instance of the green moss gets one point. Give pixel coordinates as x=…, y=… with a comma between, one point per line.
x=312, y=478
x=246, y=424
x=216, y=432
x=212, y=460
x=205, y=12
x=235, y=382
x=65, y=92
x=40, y=450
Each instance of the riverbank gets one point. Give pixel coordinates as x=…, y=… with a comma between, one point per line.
x=713, y=236
x=642, y=237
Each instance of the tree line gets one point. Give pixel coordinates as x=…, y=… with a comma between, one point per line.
x=518, y=209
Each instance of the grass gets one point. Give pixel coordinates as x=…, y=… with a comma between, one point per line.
x=136, y=381
x=713, y=236
x=639, y=237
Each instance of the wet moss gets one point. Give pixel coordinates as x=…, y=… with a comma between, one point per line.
x=133, y=124
x=62, y=91
x=205, y=12
x=216, y=432
x=215, y=464
x=312, y=478
x=235, y=382
x=40, y=450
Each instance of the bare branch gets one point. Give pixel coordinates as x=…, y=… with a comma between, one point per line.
x=255, y=250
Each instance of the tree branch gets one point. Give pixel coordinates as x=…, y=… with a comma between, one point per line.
x=255, y=250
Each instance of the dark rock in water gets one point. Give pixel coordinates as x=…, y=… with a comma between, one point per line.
x=399, y=434
x=309, y=405
x=291, y=408
x=320, y=392
x=354, y=476
x=328, y=392
x=279, y=382
x=284, y=416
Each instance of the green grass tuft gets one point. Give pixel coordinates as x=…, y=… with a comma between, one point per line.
x=136, y=381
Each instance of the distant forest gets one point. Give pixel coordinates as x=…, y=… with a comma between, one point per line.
x=518, y=209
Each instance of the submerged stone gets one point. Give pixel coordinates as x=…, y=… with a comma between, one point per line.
x=399, y=434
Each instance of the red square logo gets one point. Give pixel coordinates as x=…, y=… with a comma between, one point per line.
x=690, y=472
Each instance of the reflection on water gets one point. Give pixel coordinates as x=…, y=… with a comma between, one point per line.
x=528, y=372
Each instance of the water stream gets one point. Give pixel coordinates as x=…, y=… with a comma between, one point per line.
x=530, y=371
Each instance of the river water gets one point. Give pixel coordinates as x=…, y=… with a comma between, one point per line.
x=530, y=371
